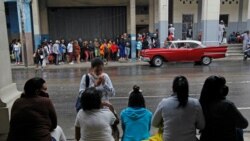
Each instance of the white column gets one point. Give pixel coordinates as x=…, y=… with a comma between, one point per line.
x=248, y=16
x=128, y=18
x=25, y=27
x=36, y=22
x=210, y=21
x=156, y=14
x=163, y=21
x=8, y=91
x=133, y=29
x=44, y=26
x=151, y=16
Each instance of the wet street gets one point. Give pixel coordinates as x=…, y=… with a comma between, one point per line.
x=156, y=83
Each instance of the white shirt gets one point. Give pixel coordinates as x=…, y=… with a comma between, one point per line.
x=221, y=27
x=95, y=125
x=107, y=88
x=171, y=30
x=16, y=47
x=58, y=135
x=70, y=48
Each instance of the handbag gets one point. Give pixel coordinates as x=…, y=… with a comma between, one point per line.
x=78, y=105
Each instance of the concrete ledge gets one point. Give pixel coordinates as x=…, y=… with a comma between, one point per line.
x=9, y=94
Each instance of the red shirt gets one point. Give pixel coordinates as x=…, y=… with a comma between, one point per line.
x=114, y=48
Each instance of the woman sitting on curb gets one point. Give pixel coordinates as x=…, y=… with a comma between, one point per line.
x=136, y=119
x=179, y=114
x=222, y=116
x=93, y=122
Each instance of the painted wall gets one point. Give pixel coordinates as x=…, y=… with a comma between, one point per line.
x=232, y=10
x=142, y=19
x=179, y=10
x=245, y=10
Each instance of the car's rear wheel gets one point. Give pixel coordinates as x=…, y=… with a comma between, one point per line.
x=157, y=61
x=206, y=60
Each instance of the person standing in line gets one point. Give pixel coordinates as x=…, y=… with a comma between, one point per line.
x=97, y=47
x=17, y=52
x=179, y=115
x=70, y=52
x=46, y=53
x=246, y=39
x=91, y=50
x=127, y=45
x=224, y=122
x=136, y=119
x=77, y=51
x=56, y=51
x=114, y=51
x=85, y=49
x=139, y=48
x=221, y=31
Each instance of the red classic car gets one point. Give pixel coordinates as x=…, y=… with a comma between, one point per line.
x=183, y=51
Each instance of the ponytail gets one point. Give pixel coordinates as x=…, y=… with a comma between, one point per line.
x=180, y=88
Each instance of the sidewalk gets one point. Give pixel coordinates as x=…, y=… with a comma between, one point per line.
x=110, y=64
x=81, y=65
x=247, y=136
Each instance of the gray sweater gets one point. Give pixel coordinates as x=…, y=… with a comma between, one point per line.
x=179, y=124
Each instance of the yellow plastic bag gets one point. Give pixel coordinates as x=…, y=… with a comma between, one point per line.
x=157, y=136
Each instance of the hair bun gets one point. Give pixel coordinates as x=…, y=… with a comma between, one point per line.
x=136, y=88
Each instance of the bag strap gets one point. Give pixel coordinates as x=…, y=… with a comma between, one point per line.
x=87, y=80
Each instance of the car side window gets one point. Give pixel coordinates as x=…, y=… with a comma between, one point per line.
x=192, y=45
x=180, y=45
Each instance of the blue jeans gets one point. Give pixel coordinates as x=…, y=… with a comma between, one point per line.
x=17, y=56
x=127, y=51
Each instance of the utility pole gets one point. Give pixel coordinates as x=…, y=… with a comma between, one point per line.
x=23, y=38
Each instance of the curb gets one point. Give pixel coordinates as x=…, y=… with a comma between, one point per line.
x=110, y=64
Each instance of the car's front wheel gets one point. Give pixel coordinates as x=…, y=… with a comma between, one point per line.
x=157, y=61
x=206, y=60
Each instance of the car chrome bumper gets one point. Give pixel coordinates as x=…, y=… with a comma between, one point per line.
x=146, y=59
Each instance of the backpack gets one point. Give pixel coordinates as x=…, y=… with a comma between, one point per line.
x=78, y=105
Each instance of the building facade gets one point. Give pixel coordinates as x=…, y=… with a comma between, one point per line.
x=55, y=19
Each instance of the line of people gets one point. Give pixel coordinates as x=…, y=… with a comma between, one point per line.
x=75, y=51
x=33, y=116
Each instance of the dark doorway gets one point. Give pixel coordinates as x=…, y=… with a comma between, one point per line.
x=187, y=20
x=224, y=18
x=142, y=29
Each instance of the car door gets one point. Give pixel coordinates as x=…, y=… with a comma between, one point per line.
x=177, y=53
x=195, y=51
